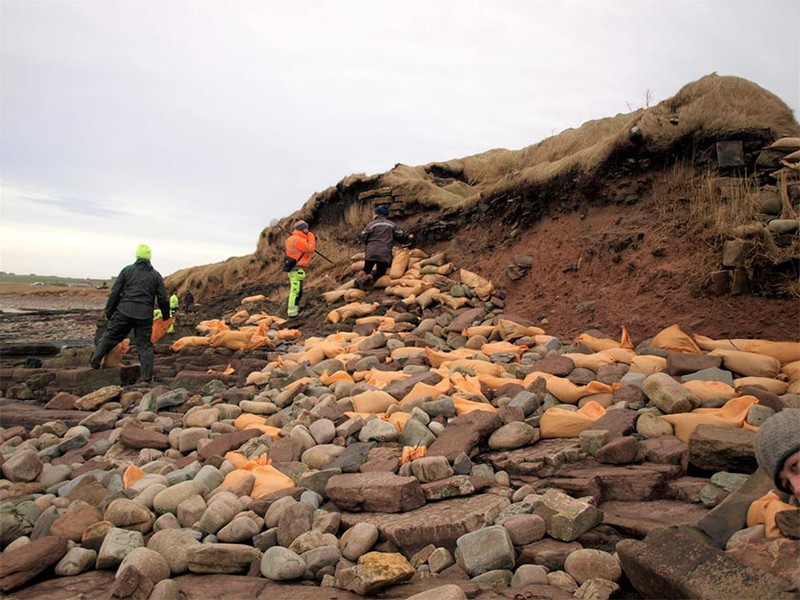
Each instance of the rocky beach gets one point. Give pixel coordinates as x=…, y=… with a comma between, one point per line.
x=424, y=444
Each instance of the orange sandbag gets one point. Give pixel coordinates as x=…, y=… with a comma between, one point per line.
x=731, y=415
x=763, y=512
x=114, y=356
x=562, y=423
x=240, y=317
x=232, y=340
x=252, y=421
x=400, y=353
x=708, y=344
x=160, y=328
x=336, y=377
x=256, y=298
x=436, y=357
x=502, y=347
x=229, y=370
x=791, y=370
x=211, y=326
x=648, y=364
x=477, y=366
x=268, y=478
x=372, y=401
x=494, y=383
x=261, y=317
x=749, y=364
x=399, y=264
x=598, y=344
x=484, y=330
x=189, y=341
x=287, y=334
x=673, y=338
x=510, y=330
x=398, y=419
x=566, y=391
x=465, y=384
x=424, y=390
x=131, y=475
x=784, y=352
x=620, y=355
x=381, y=379
x=776, y=386
x=483, y=287
x=706, y=390
x=412, y=453
x=464, y=406
x=593, y=362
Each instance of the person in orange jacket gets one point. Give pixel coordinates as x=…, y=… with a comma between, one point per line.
x=299, y=248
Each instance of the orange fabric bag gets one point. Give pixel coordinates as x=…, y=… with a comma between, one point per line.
x=561, y=423
x=114, y=356
x=268, y=478
x=763, y=512
x=189, y=341
x=160, y=327
x=464, y=406
x=251, y=421
x=673, y=338
x=731, y=415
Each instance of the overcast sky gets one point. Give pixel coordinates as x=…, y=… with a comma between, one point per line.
x=190, y=124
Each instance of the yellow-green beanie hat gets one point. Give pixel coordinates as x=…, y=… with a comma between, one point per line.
x=143, y=251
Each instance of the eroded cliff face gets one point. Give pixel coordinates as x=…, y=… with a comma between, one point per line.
x=608, y=179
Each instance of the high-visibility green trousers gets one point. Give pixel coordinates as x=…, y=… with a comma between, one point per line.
x=296, y=277
x=172, y=312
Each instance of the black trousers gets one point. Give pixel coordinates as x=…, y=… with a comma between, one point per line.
x=380, y=268
x=118, y=329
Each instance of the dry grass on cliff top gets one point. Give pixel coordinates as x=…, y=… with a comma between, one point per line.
x=712, y=106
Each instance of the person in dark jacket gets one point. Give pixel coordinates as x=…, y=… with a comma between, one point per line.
x=130, y=306
x=188, y=300
x=379, y=237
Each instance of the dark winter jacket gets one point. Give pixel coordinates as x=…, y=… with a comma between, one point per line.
x=379, y=236
x=135, y=290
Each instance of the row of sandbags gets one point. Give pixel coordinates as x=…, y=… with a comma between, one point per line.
x=415, y=278
x=465, y=373
x=252, y=331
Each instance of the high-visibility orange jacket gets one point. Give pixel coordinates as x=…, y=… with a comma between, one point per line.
x=300, y=246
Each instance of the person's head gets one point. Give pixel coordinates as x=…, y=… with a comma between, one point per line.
x=381, y=211
x=301, y=226
x=143, y=251
x=778, y=449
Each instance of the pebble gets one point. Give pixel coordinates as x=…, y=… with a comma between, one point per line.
x=358, y=540
x=587, y=563
x=117, y=544
x=76, y=561
x=148, y=562
x=281, y=564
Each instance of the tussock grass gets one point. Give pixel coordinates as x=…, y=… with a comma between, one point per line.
x=710, y=210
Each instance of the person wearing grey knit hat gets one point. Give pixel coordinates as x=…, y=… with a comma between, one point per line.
x=778, y=449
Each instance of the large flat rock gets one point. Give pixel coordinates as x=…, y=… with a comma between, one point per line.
x=529, y=460
x=639, y=518
x=378, y=491
x=463, y=433
x=97, y=585
x=440, y=524
x=28, y=415
x=630, y=483
x=669, y=564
